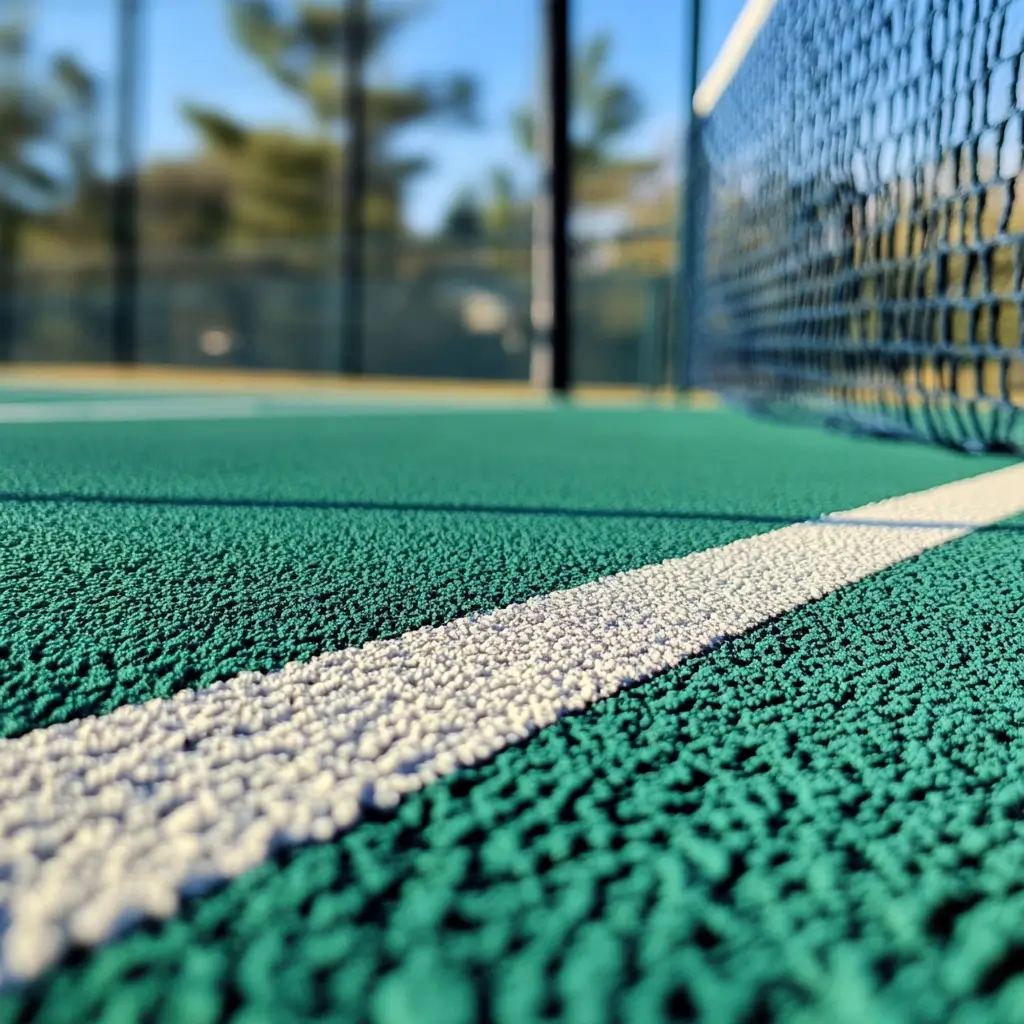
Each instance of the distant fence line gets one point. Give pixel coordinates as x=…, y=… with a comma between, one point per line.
x=432, y=308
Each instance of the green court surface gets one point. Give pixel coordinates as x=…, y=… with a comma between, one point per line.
x=818, y=820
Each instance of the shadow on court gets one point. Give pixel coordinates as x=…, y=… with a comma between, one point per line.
x=318, y=505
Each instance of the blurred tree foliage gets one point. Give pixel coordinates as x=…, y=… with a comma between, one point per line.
x=604, y=111
x=246, y=185
x=464, y=221
x=649, y=243
x=47, y=141
x=248, y=193
x=285, y=184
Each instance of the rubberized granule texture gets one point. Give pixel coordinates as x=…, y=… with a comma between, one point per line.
x=821, y=820
x=139, y=560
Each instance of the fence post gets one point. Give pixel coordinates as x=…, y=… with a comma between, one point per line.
x=689, y=257
x=124, y=226
x=653, y=339
x=352, y=226
x=9, y=225
x=685, y=284
x=551, y=297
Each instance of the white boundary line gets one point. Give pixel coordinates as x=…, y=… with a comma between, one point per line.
x=737, y=45
x=107, y=820
x=125, y=410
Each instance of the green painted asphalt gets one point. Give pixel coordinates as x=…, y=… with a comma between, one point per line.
x=819, y=821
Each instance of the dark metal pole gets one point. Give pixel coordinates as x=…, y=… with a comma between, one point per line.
x=353, y=233
x=687, y=221
x=10, y=218
x=12, y=81
x=124, y=225
x=551, y=299
x=561, y=174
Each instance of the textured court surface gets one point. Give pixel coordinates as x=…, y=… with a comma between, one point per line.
x=818, y=820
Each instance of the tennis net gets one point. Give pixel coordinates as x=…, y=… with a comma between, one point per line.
x=857, y=189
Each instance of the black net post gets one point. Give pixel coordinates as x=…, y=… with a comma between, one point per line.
x=551, y=271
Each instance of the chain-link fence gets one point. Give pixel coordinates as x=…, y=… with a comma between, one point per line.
x=436, y=312
x=328, y=195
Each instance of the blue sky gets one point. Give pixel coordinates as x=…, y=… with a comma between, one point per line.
x=189, y=54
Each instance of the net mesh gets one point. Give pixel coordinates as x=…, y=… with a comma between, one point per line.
x=860, y=195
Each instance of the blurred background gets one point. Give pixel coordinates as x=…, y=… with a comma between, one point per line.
x=178, y=185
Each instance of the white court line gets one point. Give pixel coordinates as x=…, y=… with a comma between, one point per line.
x=121, y=410
x=126, y=409
x=106, y=820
